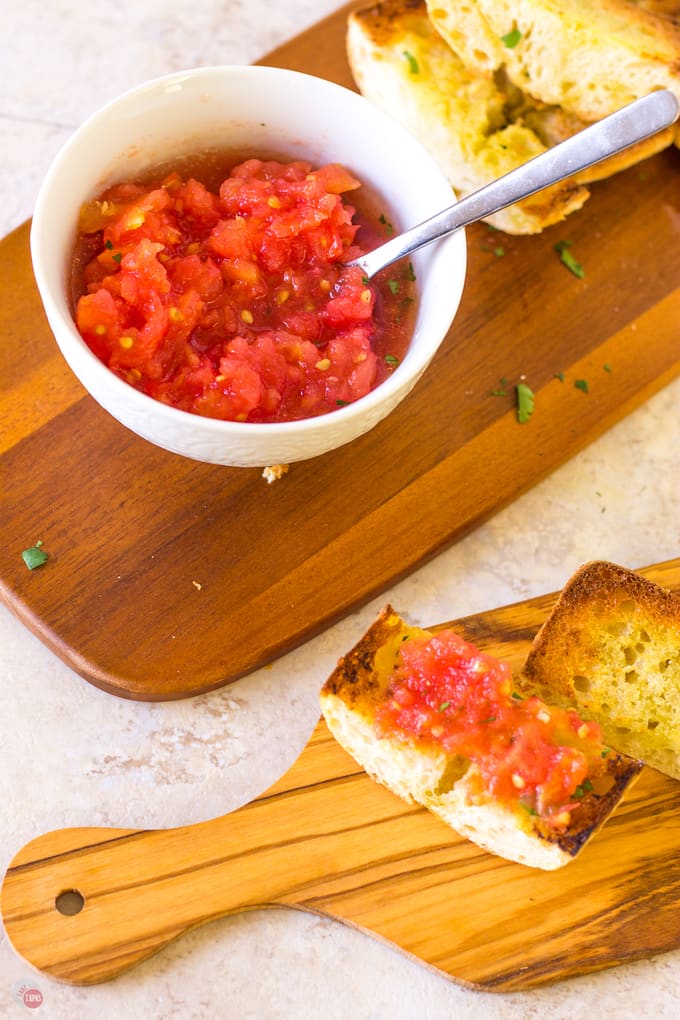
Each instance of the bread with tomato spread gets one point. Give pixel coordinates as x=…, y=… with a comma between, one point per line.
x=477, y=114
x=611, y=647
x=454, y=787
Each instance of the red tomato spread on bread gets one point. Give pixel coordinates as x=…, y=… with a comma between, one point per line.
x=236, y=303
x=446, y=692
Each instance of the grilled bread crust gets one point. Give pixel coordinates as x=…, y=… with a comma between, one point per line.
x=477, y=121
x=422, y=773
x=611, y=647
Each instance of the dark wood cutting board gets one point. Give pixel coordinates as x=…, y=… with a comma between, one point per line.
x=326, y=838
x=167, y=577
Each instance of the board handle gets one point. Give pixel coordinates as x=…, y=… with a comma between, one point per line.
x=83, y=905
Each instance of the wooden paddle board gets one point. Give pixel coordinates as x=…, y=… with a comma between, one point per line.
x=326, y=838
x=167, y=578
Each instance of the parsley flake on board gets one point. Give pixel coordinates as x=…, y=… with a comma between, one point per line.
x=511, y=38
x=581, y=384
x=35, y=556
x=525, y=403
x=413, y=66
x=560, y=376
x=568, y=260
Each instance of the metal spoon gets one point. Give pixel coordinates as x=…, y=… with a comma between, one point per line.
x=633, y=123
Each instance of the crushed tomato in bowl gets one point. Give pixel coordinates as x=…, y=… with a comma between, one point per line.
x=446, y=692
x=236, y=303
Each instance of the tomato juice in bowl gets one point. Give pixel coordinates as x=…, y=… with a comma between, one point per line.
x=259, y=112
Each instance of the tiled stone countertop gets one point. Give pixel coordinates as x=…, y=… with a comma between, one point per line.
x=71, y=755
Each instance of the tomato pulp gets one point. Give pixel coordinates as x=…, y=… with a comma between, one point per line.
x=237, y=303
x=445, y=691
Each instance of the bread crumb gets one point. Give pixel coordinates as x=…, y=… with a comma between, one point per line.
x=275, y=472
x=197, y=584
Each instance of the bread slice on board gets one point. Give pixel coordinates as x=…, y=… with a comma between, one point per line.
x=403, y=66
x=477, y=124
x=611, y=646
x=449, y=786
x=589, y=57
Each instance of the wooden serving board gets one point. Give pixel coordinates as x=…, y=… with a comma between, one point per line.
x=167, y=577
x=326, y=838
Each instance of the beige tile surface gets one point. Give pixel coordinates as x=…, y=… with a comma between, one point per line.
x=70, y=755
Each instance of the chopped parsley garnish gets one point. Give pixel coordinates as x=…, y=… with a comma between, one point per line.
x=108, y=245
x=568, y=260
x=444, y=705
x=511, y=38
x=410, y=273
x=525, y=403
x=607, y=367
x=386, y=223
x=517, y=696
x=499, y=252
x=413, y=66
x=117, y=257
x=560, y=376
x=341, y=403
x=581, y=384
x=35, y=556
x=393, y=285
x=391, y=359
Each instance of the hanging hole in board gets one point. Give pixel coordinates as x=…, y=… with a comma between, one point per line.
x=69, y=902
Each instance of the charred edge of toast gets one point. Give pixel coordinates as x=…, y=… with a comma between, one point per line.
x=605, y=586
x=595, y=808
x=355, y=678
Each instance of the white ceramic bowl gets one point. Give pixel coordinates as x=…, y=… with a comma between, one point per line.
x=247, y=109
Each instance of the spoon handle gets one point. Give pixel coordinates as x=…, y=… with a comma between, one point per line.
x=633, y=123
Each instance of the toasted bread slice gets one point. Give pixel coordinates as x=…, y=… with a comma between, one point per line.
x=449, y=786
x=611, y=647
x=462, y=117
x=589, y=57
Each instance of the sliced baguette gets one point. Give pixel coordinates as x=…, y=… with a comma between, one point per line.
x=590, y=57
x=422, y=773
x=611, y=647
x=461, y=116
